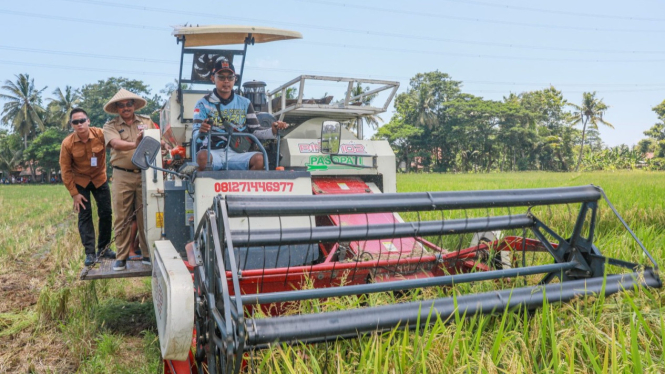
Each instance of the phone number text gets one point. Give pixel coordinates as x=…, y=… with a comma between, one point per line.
x=254, y=187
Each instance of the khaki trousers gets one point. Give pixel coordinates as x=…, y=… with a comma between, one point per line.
x=127, y=196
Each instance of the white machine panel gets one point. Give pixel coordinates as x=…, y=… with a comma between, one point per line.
x=173, y=298
x=182, y=130
x=307, y=153
x=208, y=188
x=153, y=198
x=301, y=148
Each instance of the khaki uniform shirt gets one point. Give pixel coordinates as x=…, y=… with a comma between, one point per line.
x=118, y=129
x=75, y=159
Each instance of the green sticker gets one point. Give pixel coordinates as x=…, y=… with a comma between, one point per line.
x=323, y=162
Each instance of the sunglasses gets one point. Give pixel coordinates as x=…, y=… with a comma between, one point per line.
x=126, y=105
x=79, y=121
x=228, y=78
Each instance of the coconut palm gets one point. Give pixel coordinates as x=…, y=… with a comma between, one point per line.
x=467, y=158
x=10, y=160
x=11, y=154
x=425, y=106
x=292, y=93
x=23, y=108
x=556, y=144
x=63, y=103
x=371, y=120
x=589, y=113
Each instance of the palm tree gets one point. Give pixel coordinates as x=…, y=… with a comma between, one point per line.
x=11, y=156
x=371, y=120
x=467, y=157
x=590, y=112
x=425, y=106
x=63, y=104
x=23, y=108
x=292, y=93
x=556, y=143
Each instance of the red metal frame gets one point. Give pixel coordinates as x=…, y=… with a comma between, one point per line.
x=330, y=273
x=180, y=367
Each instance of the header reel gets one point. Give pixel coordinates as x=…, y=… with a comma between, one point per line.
x=548, y=252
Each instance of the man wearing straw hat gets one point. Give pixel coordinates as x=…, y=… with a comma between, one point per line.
x=123, y=134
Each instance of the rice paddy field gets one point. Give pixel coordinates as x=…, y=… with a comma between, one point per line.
x=50, y=322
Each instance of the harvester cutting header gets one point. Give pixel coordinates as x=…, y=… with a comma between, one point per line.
x=324, y=220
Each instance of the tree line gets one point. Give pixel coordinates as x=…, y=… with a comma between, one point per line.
x=34, y=125
x=655, y=141
x=438, y=127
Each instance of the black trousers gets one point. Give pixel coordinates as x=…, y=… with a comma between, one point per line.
x=102, y=197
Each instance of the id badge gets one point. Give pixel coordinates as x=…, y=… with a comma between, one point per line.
x=142, y=127
x=93, y=161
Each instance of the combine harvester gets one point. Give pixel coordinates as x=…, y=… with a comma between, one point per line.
x=323, y=221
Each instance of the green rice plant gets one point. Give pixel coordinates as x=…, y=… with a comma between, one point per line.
x=123, y=317
x=13, y=323
x=151, y=352
x=617, y=334
x=52, y=304
x=107, y=345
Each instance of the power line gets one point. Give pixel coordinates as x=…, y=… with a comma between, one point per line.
x=662, y=85
x=472, y=55
x=662, y=89
x=471, y=19
x=472, y=91
x=299, y=72
x=83, y=68
x=365, y=47
x=358, y=31
x=117, y=71
x=83, y=54
x=80, y=68
x=560, y=12
x=82, y=20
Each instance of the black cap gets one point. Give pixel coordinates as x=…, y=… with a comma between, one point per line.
x=223, y=64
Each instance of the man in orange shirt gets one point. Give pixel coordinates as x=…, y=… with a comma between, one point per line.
x=83, y=167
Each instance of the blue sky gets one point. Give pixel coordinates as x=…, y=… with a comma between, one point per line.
x=494, y=47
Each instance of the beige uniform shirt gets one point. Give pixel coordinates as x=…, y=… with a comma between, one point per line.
x=118, y=129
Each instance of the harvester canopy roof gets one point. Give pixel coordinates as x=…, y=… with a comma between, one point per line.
x=197, y=36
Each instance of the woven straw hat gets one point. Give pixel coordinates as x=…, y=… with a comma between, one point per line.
x=123, y=94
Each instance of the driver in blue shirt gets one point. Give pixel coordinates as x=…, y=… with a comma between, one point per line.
x=223, y=105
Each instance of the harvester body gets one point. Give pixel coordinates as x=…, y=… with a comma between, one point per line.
x=327, y=223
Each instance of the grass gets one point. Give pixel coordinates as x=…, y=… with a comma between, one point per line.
x=52, y=322
x=622, y=333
